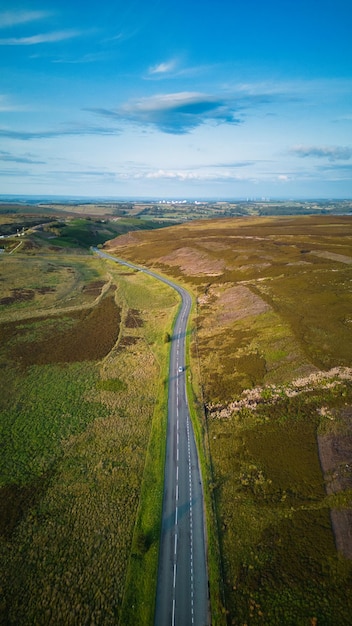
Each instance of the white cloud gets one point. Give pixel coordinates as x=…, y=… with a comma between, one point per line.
x=13, y=18
x=175, y=113
x=174, y=68
x=162, y=68
x=187, y=175
x=164, y=102
x=90, y=57
x=52, y=37
x=28, y=135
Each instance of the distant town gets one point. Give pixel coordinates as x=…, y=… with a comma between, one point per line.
x=172, y=210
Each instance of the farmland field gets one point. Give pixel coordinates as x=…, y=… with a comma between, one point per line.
x=271, y=359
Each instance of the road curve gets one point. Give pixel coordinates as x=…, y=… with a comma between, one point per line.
x=182, y=589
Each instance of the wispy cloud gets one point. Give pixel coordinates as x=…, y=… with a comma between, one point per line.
x=269, y=88
x=162, y=68
x=296, y=90
x=197, y=173
x=181, y=175
x=90, y=57
x=174, y=68
x=11, y=158
x=59, y=35
x=337, y=170
x=14, y=18
x=175, y=113
x=15, y=172
x=27, y=135
x=333, y=153
x=233, y=164
x=84, y=174
x=123, y=35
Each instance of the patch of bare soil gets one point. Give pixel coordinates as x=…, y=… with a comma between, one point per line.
x=194, y=263
x=335, y=452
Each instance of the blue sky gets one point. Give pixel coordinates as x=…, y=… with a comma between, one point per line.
x=176, y=99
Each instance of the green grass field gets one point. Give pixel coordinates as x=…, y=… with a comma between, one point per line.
x=83, y=412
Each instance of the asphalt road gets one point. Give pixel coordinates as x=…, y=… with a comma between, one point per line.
x=182, y=590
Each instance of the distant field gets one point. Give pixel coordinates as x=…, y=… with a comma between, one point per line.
x=176, y=211
x=272, y=346
x=81, y=399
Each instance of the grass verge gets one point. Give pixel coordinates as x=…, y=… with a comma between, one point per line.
x=140, y=590
x=138, y=603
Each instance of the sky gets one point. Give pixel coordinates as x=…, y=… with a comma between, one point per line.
x=179, y=99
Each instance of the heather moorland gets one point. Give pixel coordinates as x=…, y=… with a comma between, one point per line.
x=271, y=367
x=83, y=357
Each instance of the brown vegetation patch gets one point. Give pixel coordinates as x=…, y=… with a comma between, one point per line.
x=193, y=263
x=29, y=245
x=127, y=341
x=24, y=295
x=91, y=336
x=94, y=288
x=18, y=295
x=44, y=290
x=133, y=319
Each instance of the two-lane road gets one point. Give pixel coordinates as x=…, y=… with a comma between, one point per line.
x=182, y=594
x=182, y=590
